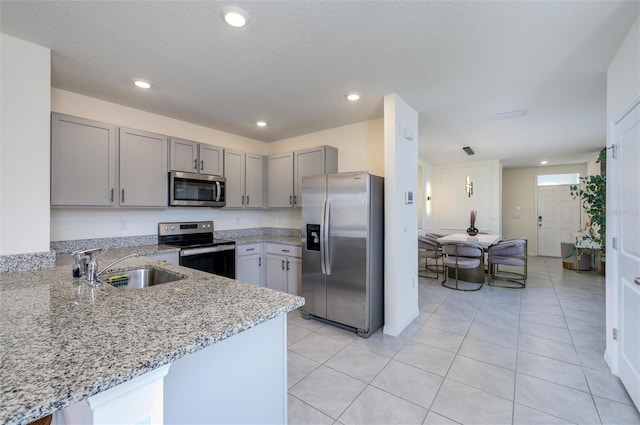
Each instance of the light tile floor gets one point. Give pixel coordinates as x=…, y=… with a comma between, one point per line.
x=495, y=356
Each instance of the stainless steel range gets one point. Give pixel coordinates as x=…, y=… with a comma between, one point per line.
x=198, y=248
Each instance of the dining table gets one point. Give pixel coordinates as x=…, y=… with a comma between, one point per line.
x=485, y=240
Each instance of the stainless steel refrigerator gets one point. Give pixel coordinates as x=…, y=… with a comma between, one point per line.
x=343, y=250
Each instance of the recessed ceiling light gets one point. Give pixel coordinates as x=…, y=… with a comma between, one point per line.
x=352, y=97
x=234, y=16
x=261, y=124
x=545, y=162
x=143, y=84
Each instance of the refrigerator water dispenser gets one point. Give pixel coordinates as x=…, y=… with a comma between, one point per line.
x=313, y=237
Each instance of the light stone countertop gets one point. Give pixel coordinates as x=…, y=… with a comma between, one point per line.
x=61, y=341
x=285, y=240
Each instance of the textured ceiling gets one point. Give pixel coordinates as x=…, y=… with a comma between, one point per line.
x=457, y=63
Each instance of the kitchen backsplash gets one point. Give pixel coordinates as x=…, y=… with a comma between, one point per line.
x=62, y=247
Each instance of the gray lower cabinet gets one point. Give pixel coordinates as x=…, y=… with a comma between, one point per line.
x=143, y=169
x=284, y=268
x=193, y=157
x=249, y=263
x=287, y=170
x=83, y=162
x=245, y=176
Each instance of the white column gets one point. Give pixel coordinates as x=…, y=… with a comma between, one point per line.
x=25, y=90
x=401, y=218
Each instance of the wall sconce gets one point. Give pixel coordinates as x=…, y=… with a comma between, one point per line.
x=468, y=186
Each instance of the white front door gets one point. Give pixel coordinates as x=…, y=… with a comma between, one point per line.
x=558, y=218
x=627, y=254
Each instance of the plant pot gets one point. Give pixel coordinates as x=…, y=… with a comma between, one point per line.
x=472, y=231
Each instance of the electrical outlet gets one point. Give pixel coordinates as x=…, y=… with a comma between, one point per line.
x=123, y=225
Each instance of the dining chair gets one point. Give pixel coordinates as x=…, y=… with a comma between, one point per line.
x=512, y=253
x=429, y=249
x=462, y=255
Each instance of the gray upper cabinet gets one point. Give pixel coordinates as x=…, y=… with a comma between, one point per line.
x=281, y=180
x=143, y=169
x=83, y=162
x=184, y=155
x=194, y=157
x=245, y=179
x=211, y=159
x=254, y=183
x=312, y=162
x=287, y=170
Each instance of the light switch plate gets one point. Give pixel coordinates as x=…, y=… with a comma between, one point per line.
x=408, y=197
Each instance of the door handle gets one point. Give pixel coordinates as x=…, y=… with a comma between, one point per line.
x=636, y=280
x=122, y=195
x=282, y=264
x=112, y=195
x=295, y=199
x=259, y=261
x=287, y=264
x=242, y=199
x=195, y=164
x=201, y=165
x=247, y=199
x=290, y=200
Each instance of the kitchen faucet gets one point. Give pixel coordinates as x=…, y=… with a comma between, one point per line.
x=85, y=263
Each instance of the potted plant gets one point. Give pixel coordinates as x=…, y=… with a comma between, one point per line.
x=593, y=194
x=472, y=231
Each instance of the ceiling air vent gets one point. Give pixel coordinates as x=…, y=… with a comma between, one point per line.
x=468, y=150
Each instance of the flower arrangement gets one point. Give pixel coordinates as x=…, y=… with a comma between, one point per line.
x=472, y=230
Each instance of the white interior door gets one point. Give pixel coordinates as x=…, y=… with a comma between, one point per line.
x=558, y=218
x=627, y=142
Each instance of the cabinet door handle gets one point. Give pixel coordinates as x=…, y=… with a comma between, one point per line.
x=195, y=164
x=242, y=199
x=259, y=261
x=290, y=200
x=282, y=264
x=251, y=249
x=284, y=250
x=247, y=199
x=295, y=199
x=201, y=165
x=122, y=200
x=287, y=264
x=111, y=194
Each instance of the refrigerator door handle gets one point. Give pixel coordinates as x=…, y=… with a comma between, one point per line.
x=327, y=247
x=322, y=240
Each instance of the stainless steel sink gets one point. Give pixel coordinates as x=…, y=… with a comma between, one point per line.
x=140, y=278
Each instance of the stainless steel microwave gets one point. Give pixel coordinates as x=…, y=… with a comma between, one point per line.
x=196, y=190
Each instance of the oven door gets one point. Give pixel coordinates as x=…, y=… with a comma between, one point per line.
x=220, y=259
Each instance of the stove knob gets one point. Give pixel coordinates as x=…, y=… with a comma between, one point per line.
x=166, y=227
x=172, y=228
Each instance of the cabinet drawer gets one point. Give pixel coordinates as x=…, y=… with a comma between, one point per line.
x=290, y=250
x=248, y=249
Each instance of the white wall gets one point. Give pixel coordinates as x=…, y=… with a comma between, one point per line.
x=623, y=85
x=361, y=145
x=24, y=146
x=452, y=206
x=83, y=223
x=66, y=102
x=401, y=220
x=519, y=208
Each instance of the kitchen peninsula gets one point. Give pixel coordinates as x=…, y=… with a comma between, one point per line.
x=223, y=341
